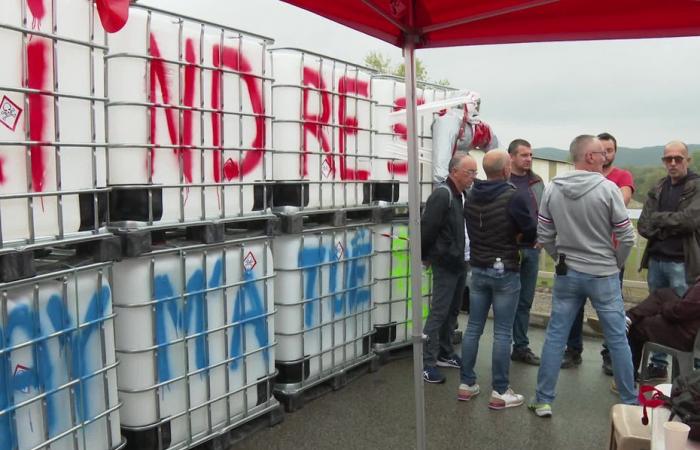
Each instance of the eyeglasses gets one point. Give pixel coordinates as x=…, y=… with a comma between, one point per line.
x=471, y=172
x=604, y=153
x=675, y=159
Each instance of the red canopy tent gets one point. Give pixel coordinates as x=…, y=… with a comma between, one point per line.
x=412, y=24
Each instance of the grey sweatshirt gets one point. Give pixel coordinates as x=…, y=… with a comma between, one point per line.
x=579, y=214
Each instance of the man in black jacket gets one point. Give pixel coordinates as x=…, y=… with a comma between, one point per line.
x=670, y=221
x=442, y=248
x=498, y=218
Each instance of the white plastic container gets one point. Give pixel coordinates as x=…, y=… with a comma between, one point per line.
x=389, y=156
x=392, y=316
x=52, y=155
x=57, y=361
x=324, y=303
x=195, y=336
x=189, y=115
x=322, y=130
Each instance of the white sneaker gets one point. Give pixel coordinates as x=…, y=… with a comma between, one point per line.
x=506, y=400
x=466, y=392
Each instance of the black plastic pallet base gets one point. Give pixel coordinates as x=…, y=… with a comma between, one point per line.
x=228, y=440
x=138, y=241
x=155, y=438
x=295, y=401
x=389, y=354
x=298, y=221
x=277, y=194
x=18, y=265
x=384, y=191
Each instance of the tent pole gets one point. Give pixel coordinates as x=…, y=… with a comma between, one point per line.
x=414, y=238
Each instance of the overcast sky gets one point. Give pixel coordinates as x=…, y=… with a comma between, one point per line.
x=645, y=92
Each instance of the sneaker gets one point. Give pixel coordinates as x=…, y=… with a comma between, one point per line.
x=571, y=359
x=453, y=362
x=607, y=362
x=541, y=409
x=506, y=400
x=655, y=373
x=432, y=375
x=526, y=356
x=466, y=392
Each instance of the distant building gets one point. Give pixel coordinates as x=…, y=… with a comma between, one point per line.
x=546, y=168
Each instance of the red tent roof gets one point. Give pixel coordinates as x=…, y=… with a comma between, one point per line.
x=443, y=23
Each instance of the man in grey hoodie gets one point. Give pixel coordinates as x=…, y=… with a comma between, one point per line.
x=579, y=212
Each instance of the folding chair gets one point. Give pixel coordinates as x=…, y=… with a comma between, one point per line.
x=683, y=362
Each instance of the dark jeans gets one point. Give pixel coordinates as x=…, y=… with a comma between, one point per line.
x=448, y=287
x=529, y=266
x=575, y=341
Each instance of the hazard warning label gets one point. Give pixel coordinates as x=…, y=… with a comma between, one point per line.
x=9, y=113
x=249, y=262
x=339, y=250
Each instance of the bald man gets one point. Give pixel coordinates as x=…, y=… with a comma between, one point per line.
x=498, y=217
x=670, y=221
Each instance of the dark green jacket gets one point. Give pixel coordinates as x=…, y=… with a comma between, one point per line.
x=683, y=222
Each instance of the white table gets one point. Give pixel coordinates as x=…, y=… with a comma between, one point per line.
x=659, y=416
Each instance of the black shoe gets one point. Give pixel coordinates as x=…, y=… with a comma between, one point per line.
x=607, y=362
x=655, y=373
x=571, y=359
x=525, y=355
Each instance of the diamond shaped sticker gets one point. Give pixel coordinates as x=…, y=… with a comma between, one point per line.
x=249, y=262
x=339, y=250
x=9, y=113
x=22, y=384
x=325, y=168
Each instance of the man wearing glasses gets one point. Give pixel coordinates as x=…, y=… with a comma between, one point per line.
x=579, y=212
x=670, y=221
x=623, y=179
x=442, y=248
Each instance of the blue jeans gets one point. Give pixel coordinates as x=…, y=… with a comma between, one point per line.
x=488, y=287
x=529, y=266
x=665, y=274
x=575, y=342
x=569, y=293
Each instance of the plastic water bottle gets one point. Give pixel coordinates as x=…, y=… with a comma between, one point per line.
x=498, y=265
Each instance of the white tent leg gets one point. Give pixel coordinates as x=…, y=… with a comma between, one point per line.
x=414, y=237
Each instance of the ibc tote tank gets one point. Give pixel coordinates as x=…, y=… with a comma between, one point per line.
x=189, y=119
x=52, y=101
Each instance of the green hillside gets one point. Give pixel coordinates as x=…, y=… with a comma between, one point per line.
x=626, y=157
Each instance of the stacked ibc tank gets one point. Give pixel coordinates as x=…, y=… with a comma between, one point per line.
x=392, y=286
x=189, y=124
x=190, y=222
x=57, y=356
x=389, y=156
x=322, y=131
